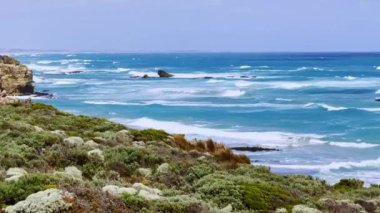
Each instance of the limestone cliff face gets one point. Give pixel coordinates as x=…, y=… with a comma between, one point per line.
x=15, y=78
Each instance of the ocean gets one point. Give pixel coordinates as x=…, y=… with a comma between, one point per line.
x=319, y=109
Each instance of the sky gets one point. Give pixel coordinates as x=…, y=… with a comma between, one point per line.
x=191, y=25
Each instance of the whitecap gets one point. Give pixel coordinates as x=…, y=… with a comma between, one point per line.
x=325, y=106
x=350, y=78
x=377, y=92
x=271, y=139
x=289, y=85
x=284, y=99
x=233, y=93
x=194, y=104
x=353, y=145
x=213, y=81
x=370, y=109
x=123, y=69
x=378, y=67
x=243, y=83
x=309, y=68
x=245, y=67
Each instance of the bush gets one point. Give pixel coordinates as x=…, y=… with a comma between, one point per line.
x=150, y=135
x=12, y=192
x=265, y=197
x=125, y=160
x=349, y=184
x=220, y=190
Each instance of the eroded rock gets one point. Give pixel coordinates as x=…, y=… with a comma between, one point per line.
x=48, y=201
x=15, y=78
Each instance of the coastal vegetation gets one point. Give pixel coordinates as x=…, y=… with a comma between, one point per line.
x=100, y=166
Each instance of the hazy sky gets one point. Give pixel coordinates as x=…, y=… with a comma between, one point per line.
x=191, y=25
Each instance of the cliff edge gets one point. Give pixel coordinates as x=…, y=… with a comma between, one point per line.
x=15, y=78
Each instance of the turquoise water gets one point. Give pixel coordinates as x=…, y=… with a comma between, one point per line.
x=318, y=108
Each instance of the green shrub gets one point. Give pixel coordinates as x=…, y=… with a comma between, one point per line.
x=134, y=202
x=125, y=160
x=12, y=192
x=150, y=135
x=349, y=184
x=221, y=190
x=265, y=197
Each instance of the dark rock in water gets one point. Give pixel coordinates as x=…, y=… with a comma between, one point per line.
x=164, y=74
x=244, y=76
x=74, y=72
x=377, y=99
x=254, y=149
x=16, y=79
x=145, y=76
x=43, y=94
x=207, y=77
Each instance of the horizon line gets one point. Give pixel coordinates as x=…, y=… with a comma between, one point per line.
x=52, y=51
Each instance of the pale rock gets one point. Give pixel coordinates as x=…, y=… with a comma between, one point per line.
x=145, y=172
x=74, y=141
x=97, y=153
x=117, y=191
x=38, y=129
x=91, y=144
x=227, y=209
x=13, y=174
x=304, y=209
x=124, y=136
x=60, y=133
x=163, y=168
x=140, y=186
x=281, y=210
x=48, y=201
x=71, y=171
x=148, y=195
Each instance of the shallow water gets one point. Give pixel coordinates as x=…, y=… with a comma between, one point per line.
x=319, y=108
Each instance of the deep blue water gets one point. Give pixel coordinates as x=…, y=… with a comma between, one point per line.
x=318, y=108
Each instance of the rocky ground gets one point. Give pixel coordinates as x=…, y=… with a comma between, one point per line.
x=52, y=161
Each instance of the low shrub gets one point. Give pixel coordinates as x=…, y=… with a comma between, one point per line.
x=349, y=184
x=150, y=135
x=12, y=192
x=265, y=197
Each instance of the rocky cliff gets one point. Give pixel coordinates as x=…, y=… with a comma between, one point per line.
x=15, y=78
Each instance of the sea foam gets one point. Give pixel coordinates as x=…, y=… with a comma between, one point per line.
x=271, y=139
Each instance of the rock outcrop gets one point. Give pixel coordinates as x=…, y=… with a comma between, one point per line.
x=15, y=78
x=164, y=74
x=48, y=201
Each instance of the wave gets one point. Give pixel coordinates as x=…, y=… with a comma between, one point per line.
x=327, y=168
x=378, y=67
x=353, y=145
x=377, y=92
x=213, y=81
x=284, y=99
x=309, y=68
x=243, y=83
x=289, y=85
x=325, y=106
x=233, y=93
x=192, y=104
x=123, y=69
x=370, y=109
x=245, y=67
x=350, y=78
x=193, y=75
x=271, y=139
